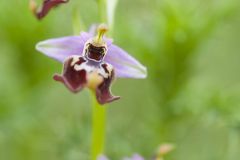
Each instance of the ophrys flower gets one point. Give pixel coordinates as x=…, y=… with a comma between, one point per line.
x=91, y=61
x=134, y=157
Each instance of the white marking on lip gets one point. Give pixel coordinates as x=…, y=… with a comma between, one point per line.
x=84, y=66
x=75, y=59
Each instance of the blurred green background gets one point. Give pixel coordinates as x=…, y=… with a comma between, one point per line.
x=191, y=97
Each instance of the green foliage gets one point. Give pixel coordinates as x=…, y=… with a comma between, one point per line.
x=191, y=97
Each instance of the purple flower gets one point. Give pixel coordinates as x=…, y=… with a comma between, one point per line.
x=102, y=157
x=45, y=8
x=91, y=61
x=134, y=157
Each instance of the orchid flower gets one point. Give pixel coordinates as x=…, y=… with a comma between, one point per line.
x=47, y=5
x=91, y=61
x=163, y=150
x=135, y=157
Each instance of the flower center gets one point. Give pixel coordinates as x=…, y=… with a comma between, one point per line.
x=96, y=53
x=96, y=48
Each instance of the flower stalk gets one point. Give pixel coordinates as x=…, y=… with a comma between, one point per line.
x=98, y=110
x=98, y=125
x=77, y=22
x=102, y=7
x=111, y=10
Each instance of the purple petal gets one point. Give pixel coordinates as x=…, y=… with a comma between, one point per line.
x=135, y=157
x=125, y=66
x=61, y=48
x=102, y=157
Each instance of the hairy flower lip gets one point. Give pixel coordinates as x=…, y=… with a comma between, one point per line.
x=78, y=73
x=58, y=77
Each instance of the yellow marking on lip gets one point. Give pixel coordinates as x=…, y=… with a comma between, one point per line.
x=94, y=80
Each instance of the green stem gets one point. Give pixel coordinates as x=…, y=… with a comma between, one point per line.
x=98, y=111
x=98, y=125
x=78, y=24
x=102, y=6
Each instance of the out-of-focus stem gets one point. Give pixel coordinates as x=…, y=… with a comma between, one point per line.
x=99, y=111
x=98, y=131
x=107, y=10
x=77, y=22
x=102, y=6
x=111, y=9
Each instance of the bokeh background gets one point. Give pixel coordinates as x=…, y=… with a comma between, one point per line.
x=191, y=97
